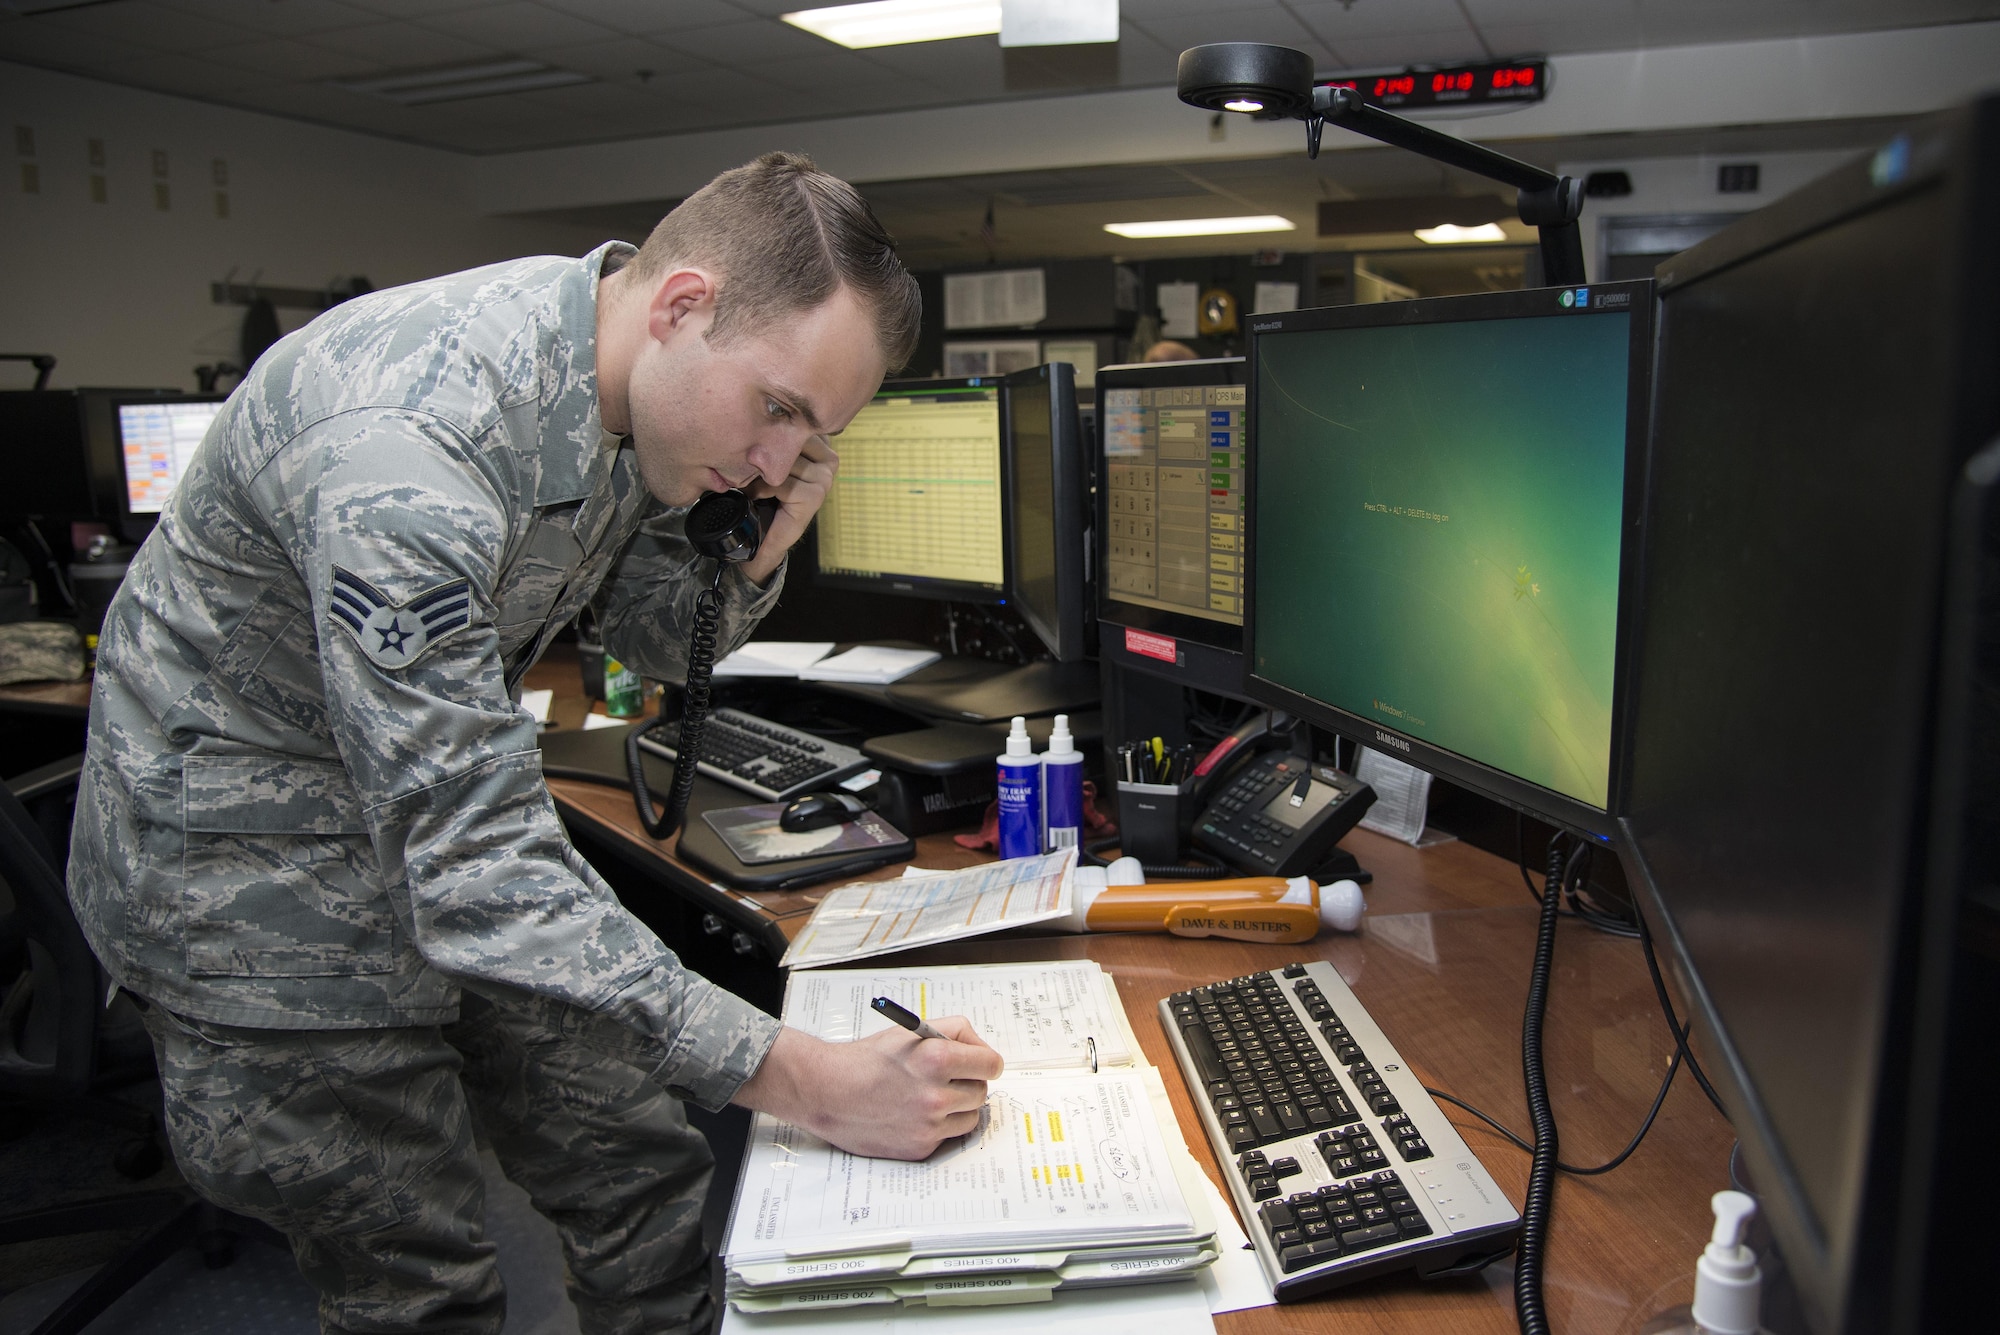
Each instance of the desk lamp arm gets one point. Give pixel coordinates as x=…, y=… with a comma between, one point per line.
x=1549, y=203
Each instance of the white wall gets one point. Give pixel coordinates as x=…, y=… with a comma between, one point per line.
x=1687, y=185
x=119, y=291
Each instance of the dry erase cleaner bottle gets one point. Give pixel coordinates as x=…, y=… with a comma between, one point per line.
x=1020, y=796
x=1062, y=789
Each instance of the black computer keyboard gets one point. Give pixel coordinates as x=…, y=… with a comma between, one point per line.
x=1341, y=1166
x=768, y=759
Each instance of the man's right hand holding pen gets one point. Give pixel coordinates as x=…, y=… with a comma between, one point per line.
x=892, y=1095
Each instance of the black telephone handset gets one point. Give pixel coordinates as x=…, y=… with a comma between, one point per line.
x=729, y=528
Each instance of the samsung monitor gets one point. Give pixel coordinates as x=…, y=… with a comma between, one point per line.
x=1441, y=523
x=917, y=507
x=1047, y=509
x=1170, y=519
x=1815, y=749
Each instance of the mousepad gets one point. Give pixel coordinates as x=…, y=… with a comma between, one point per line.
x=752, y=834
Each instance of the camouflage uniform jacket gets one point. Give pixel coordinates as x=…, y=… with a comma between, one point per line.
x=309, y=799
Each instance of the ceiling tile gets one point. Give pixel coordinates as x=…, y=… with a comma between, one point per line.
x=297, y=61
x=1337, y=22
x=745, y=44
x=722, y=96
x=518, y=26
x=1237, y=23
x=145, y=23
x=1431, y=48
x=414, y=9
x=621, y=59
x=38, y=43
x=968, y=68
x=285, y=17
x=403, y=46
x=1144, y=11
x=330, y=105
x=188, y=76
x=651, y=16
x=1143, y=59
x=596, y=99
x=843, y=83
x=1612, y=33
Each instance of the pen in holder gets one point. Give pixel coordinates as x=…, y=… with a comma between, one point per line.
x=1155, y=820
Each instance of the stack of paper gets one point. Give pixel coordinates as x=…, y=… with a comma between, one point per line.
x=877, y=917
x=1068, y=1181
x=774, y=658
x=870, y=663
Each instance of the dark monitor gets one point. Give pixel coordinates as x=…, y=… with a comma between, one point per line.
x=1170, y=519
x=917, y=506
x=1442, y=497
x=1048, y=509
x=1815, y=730
x=48, y=470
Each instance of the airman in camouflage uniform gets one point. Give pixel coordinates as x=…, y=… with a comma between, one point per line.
x=313, y=834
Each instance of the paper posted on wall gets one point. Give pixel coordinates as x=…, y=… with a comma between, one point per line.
x=876, y=917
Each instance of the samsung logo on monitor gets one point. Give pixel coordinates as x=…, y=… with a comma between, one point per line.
x=1396, y=742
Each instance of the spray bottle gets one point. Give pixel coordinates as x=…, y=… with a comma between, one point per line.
x=1727, y=1283
x=1020, y=795
x=1062, y=789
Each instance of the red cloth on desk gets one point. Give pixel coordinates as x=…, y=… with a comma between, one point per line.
x=1096, y=825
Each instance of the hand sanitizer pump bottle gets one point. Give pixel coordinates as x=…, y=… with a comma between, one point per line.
x=1728, y=1286
x=1062, y=789
x=1020, y=795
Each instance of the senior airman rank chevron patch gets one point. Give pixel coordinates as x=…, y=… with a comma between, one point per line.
x=396, y=634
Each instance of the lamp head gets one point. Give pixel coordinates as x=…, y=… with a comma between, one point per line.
x=1247, y=77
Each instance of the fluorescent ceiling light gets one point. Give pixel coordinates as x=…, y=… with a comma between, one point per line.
x=1451, y=234
x=899, y=22
x=1058, y=22
x=485, y=79
x=1262, y=222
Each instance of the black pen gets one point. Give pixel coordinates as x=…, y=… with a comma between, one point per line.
x=904, y=1018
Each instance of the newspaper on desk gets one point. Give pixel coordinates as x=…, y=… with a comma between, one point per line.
x=877, y=917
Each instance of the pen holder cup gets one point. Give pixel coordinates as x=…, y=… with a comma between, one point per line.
x=1155, y=821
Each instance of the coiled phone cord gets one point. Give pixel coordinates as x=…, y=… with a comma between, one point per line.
x=1528, y=1310
x=694, y=719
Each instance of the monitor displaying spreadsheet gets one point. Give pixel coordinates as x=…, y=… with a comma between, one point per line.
x=157, y=439
x=916, y=508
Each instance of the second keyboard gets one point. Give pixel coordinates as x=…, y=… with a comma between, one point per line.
x=763, y=758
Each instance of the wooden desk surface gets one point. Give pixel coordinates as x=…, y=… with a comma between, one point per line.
x=68, y=699
x=1442, y=963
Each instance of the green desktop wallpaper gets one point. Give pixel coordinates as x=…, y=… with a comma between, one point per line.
x=1437, y=527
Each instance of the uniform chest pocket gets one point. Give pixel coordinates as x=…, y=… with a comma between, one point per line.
x=279, y=879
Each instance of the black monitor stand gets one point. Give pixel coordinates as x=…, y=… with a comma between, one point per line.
x=974, y=691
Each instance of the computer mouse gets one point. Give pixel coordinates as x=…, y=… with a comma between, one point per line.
x=816, y=811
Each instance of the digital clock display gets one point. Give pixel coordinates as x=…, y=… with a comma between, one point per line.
x=1500, y=81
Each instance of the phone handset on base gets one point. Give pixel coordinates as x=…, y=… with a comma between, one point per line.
x=729, y=527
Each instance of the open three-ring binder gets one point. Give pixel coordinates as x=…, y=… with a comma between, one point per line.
x=1074, y=1178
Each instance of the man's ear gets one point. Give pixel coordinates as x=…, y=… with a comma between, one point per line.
x=684, y=301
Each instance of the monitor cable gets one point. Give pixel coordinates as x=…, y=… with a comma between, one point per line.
x=1529, y=1313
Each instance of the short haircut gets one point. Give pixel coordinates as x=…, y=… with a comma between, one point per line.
x=783, y=236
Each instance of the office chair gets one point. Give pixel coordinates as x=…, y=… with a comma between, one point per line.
x=59, y=1050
